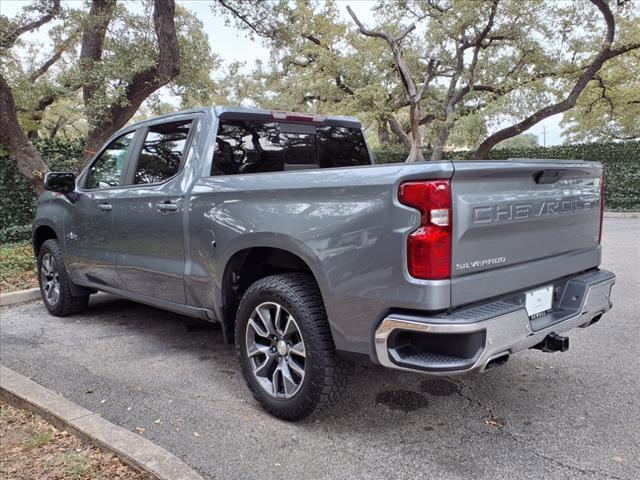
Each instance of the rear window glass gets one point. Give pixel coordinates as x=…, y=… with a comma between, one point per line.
x=341, y=147
x=245, y=146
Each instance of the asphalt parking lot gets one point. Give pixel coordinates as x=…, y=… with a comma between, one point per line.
x=570, y=415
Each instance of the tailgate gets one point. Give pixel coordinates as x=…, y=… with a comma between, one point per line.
x=521, y=223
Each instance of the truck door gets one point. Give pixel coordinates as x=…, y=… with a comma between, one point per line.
x=90, y=235
x=149, y=216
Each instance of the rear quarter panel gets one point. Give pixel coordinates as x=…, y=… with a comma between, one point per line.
x=346, y=224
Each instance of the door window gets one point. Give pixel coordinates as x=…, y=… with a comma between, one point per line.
x=106, y=170
x=162, y=152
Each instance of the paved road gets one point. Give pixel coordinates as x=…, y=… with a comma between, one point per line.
x=552, y=416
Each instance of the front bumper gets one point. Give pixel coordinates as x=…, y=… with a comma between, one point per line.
x=473, y=338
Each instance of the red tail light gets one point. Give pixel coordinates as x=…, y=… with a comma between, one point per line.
x=603, y=190
x=429, y=247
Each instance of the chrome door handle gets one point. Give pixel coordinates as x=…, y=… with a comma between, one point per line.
x=167, y=207
x=105, y=207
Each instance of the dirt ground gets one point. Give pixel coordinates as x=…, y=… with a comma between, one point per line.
x=31, y=448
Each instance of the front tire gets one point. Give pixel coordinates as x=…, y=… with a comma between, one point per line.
x=285, y=348
x=55, y=286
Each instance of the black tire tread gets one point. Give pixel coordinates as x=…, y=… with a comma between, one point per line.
x=68, y=304
x=332, y=370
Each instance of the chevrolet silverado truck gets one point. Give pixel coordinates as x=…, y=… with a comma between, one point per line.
x=281, y=227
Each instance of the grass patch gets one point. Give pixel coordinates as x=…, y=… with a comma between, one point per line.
x=37, y=440
x=17, y=270
x=77, y=467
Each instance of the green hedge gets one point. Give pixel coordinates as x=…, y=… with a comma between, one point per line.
x=18, y=197
x=621, y=163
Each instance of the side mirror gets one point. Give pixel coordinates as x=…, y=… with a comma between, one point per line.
x=61, y=182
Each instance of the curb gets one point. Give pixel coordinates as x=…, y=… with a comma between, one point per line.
x=20, y=296
x=137, y=451
x=621, y=214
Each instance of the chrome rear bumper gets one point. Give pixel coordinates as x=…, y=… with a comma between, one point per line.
x=469, y=339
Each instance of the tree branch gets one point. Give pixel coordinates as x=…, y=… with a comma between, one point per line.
x=244, y=19
x=9, y=39
x=15, y=141
x=397, y=130
x=143, y=83
x=92, y=44
x=605, y=53
x=394, y=45
x=342, y=86
x=54, y=58
x=408, y=83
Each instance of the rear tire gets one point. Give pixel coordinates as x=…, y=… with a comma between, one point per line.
x=55, y=286
x=291, y=366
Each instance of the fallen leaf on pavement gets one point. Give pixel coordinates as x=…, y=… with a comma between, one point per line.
x=494, y=422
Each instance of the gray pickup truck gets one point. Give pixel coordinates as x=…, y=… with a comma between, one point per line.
x=280, y=226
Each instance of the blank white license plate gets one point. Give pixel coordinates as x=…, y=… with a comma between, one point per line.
x=539, y=301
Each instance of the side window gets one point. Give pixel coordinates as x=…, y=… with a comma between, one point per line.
x=341, y=147
x=247, y=147
x=106, y=169
x=162, y=152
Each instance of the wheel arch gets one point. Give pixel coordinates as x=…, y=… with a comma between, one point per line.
x=41, y=234
x=44, y=232
x=251, y=263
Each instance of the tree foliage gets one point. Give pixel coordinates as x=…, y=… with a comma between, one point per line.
x=470, y=73
x=609, y=108
x=106, y=60
x=524, y=140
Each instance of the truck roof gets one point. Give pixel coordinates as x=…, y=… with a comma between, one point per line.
x=257, y=113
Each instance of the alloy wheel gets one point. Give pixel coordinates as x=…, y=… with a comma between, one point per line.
x=50, y=279
x=275, y=349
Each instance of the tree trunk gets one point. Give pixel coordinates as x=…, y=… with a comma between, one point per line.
x=14, y=140
x=143, y=83
x=415, y=154
x=383, y=132
x=441, y=141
